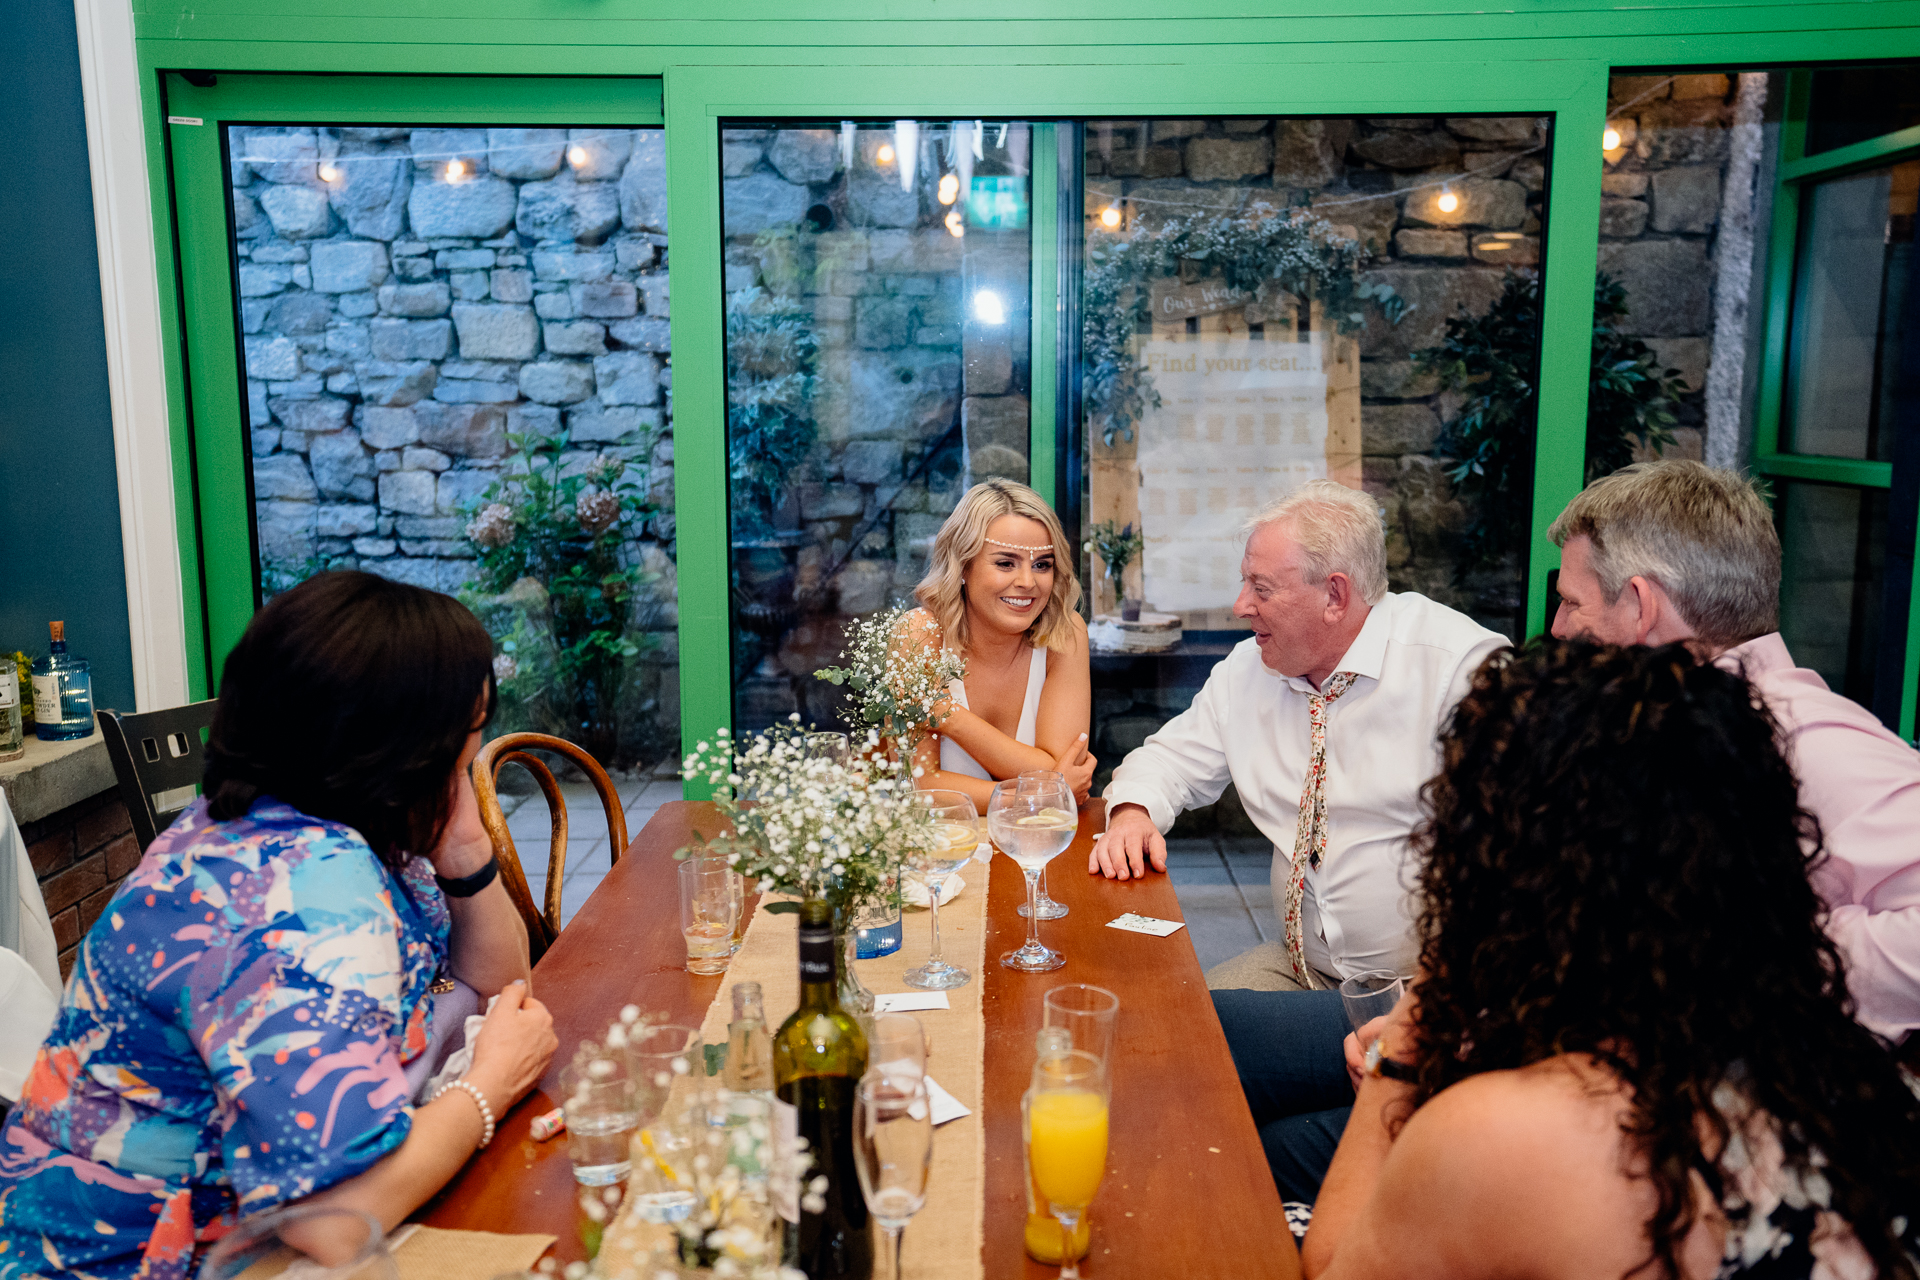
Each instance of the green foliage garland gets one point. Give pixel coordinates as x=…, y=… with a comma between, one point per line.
x=1295, y=249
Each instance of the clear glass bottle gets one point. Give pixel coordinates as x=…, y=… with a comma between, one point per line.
x=12, y=734
x=62, y=692
x=749, y=1043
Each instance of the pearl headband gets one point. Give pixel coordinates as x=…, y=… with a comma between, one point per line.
x=1045, y=548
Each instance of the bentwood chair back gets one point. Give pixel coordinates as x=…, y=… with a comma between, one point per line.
x=542, y=921
x=155, y=752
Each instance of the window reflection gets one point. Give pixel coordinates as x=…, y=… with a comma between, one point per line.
x=878, y=277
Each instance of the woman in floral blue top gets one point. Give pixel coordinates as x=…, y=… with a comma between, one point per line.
x=236, y=1030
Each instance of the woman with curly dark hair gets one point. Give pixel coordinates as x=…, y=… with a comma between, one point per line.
x=1630, y=1050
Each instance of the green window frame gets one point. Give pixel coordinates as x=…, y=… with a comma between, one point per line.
x=210, y=440
x=1796, y=174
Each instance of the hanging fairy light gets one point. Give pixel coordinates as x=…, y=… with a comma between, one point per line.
x=329, y=171
x=1610, y=140
x=885, y=154
x=1110, y=216
x=577, y=156
x=456, y=170
x=949, y=188
x=1448, y=201
x=956, y=224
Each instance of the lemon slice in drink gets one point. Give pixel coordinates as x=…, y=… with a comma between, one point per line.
x=1047, y=818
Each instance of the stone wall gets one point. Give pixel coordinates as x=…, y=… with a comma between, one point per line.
x=80, y=854
x=410, y=297
x=1386, y=180
x=1662, y=194
x=920, y=394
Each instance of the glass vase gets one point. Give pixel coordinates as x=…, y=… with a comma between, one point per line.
x=854, y=996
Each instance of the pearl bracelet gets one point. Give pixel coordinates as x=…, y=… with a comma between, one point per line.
x=479, y=1100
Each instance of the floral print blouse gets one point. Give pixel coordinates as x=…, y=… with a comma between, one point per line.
x=232, y=1038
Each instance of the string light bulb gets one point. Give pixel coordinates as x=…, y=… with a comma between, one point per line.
x=949, y=188
x=456, y=170
x=1110, y=216
x=329, y=172
x=1448, y=201
x=885, y=154
x=988, y=308
x=1610, y=140
x=577, y=156
x=956, y=225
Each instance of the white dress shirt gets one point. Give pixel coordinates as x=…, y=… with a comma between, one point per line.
x=1863, y=784
x=1414, y=659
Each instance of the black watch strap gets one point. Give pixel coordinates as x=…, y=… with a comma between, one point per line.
x=467, y=886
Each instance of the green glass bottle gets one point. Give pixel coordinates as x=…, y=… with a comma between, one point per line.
x=819, y=1056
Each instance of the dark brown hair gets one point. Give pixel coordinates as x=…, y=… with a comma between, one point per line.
x=1616, y=864
x=350, y=698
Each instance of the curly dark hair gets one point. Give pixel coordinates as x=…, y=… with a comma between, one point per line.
x=1616, y=864
x=350, y=698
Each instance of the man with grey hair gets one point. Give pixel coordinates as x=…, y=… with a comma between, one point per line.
x=1327, y=723
x=1666, y=552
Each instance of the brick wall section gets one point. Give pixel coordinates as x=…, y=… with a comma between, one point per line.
x=80, y=855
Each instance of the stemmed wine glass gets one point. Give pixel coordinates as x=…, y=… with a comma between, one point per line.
x=957, y=835
x=893, y=1151
x=1032, y=820
x=1048, y=908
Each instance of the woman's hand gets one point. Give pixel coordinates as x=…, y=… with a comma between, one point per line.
x=464, y=846
x=1076, y=764
x=513, y=1048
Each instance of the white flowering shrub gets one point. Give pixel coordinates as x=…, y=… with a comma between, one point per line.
x=897, y=676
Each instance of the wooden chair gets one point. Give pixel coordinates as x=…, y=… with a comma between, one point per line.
x=155, y=752
x=543, y=925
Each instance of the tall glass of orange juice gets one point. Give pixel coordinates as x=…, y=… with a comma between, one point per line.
x=1065, y=1117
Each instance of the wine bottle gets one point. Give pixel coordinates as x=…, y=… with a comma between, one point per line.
x=62, y=692
x=749, y=1046
x=819, y=1055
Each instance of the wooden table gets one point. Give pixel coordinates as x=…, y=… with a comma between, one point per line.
x=1187, y=1190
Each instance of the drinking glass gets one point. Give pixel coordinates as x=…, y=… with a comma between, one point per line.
x=892, y=1151
x=1032, y=821
x=1371, y=995
x=1065, y=1117
x=957, y=836
x=602, y=1108
x=897, y=1047
x=659, y=1055
x=830, y=746
x=710, y=903
x=1087, y=1014
x=333, y=1243
x=1048, y=908
x=715, y=861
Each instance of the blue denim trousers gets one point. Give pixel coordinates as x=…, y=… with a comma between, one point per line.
x=1288, y=1048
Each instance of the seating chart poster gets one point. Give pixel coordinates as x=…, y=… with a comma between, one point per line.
x=1241, y=421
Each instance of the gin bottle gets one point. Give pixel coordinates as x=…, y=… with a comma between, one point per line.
x=12, y=736
x=62, y=692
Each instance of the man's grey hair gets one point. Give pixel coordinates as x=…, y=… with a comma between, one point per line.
x=1705, y=535
x=1339, y=530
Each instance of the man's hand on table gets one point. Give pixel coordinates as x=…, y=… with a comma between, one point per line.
x=1130, y=843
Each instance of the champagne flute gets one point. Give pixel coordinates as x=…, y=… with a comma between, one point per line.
x=1032, y=822
x=1048, y=908
x=1065, y=1117
x=956, y=836
x=893, y=1151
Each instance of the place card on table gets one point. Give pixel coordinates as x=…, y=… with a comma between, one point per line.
x=945, y=1106
x=1135, y=923
x=910, y=1001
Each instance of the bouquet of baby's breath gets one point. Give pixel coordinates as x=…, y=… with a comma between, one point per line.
x=897, y=672
x=810, y=826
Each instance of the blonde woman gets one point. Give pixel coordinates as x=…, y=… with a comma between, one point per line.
x=1000, y=589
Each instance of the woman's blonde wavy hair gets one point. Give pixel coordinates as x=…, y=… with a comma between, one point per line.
x=942, y=594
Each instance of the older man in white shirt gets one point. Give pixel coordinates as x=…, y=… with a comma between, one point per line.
x=1327, y=723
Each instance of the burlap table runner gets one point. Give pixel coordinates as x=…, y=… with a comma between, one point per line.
x=943, y=1241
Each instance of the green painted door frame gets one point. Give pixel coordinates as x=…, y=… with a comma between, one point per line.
x=1046, y=61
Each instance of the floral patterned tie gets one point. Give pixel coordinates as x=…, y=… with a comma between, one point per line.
x=1310, y=836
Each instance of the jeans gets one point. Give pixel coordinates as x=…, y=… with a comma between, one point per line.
x=1288, y=1049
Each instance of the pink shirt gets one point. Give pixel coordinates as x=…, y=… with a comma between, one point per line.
x=1863, y=784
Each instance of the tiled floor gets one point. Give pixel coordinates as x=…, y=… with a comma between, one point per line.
x=588, y=857
x=1222, y=883
x=1223, y=887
